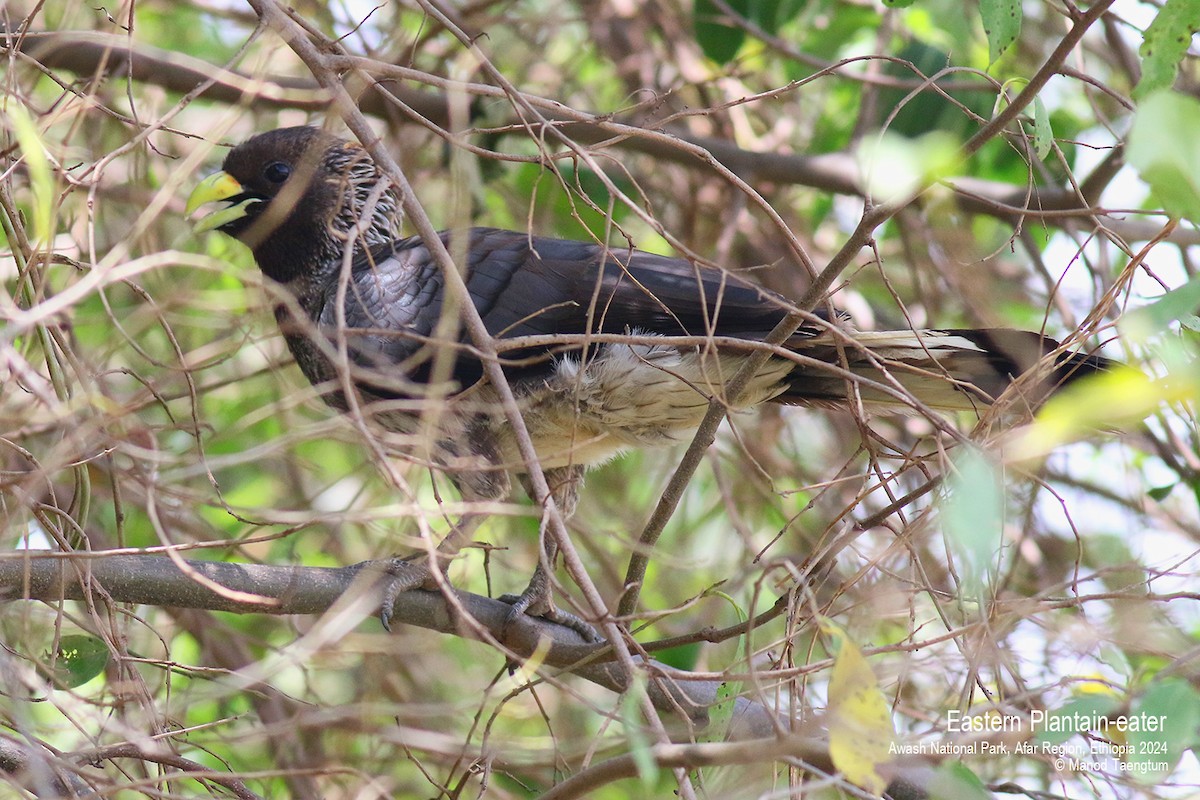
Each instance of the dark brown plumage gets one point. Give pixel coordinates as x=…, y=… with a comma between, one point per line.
x=321, y=222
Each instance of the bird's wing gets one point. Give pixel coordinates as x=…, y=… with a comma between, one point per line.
x=533, y=286
x=526, y=285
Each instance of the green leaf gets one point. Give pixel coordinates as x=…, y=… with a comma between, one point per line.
x=683, y=657
x=1151, y=320
x=973, y=517
x=718, y=39
x=79, y=659
x=849, y=24
x=639, y=743
x=1167, y=160
x=576, y=202
x=954, y=780
x=895, y=166
x=1001, y=23
x=720, y=715
x=898, y=3
x=1176, y=705
x=719, y=718
x=1119, y=571
x=1043, y=135
x=770, y=15
x=946, y=108
x=715, y=592
x=1122, y=396
x=1061, y=724
x=1165, y=44
x=33, y=152
x=1111, y=656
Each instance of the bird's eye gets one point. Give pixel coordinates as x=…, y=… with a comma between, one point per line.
x=277, y=172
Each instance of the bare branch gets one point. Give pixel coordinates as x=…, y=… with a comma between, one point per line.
x=155, y=580
x=87, y=53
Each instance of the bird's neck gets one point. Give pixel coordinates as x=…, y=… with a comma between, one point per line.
x=299, y=263
x=306, y=262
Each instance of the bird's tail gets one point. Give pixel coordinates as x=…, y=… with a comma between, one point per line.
x=945, y=370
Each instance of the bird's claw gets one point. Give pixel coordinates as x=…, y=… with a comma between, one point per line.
x=413, y=572
x=402, y=575
x=531, y=602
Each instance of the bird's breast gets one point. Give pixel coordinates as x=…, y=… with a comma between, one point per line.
x=623, y=396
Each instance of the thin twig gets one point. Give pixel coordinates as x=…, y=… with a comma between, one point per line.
x=706, y=433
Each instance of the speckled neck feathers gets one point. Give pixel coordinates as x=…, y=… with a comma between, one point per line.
x=332, y=203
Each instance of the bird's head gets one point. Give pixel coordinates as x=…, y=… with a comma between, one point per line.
x=298, y=197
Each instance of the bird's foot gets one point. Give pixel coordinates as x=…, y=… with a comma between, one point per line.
x=536, y=601
x=403, y=575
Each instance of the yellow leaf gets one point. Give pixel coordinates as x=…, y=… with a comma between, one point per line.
x=29, y=140
x=860, y=719
x=1094, y=683
x=1118, y=398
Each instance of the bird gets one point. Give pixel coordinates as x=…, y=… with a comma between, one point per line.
x=604, y=348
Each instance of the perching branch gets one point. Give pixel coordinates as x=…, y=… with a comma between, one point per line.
x=155, y=580
x=40, y=772
x=268, y=589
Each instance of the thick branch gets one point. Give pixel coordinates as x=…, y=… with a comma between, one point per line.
x=907, y=780
x=102, y=55
x=40, y=772
x=155, y=580
x=159, y=581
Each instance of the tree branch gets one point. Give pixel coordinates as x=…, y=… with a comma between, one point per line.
x=158, y=581
x=40, y=772
x=104, y=55
x=907, y=780
x=872, y=218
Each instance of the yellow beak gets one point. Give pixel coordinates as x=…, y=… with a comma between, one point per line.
x=215, y=188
